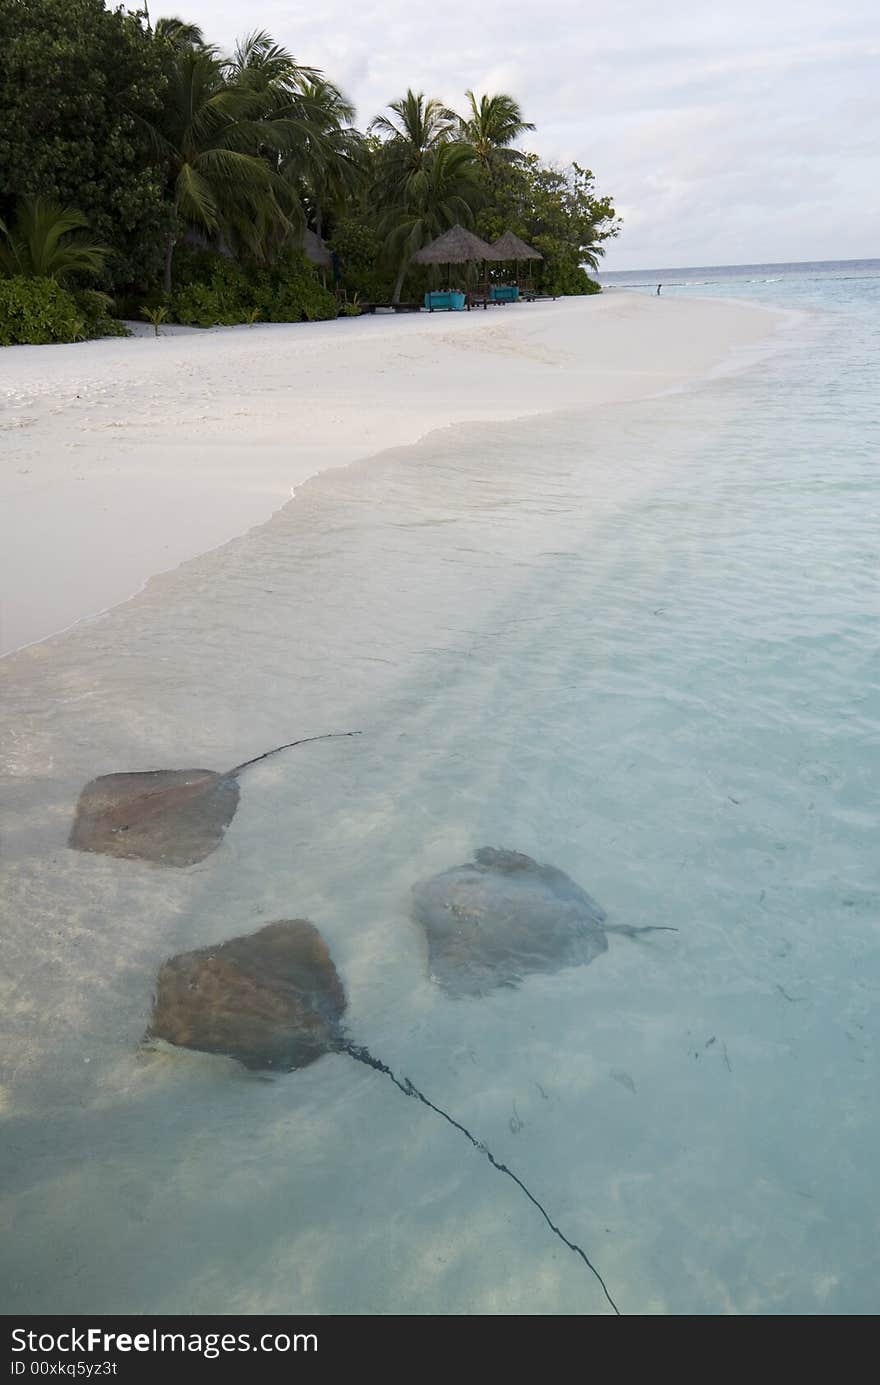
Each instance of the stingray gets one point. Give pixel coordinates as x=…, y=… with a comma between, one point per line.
x=173, y=817
x=273, y=1000
x=503, y=916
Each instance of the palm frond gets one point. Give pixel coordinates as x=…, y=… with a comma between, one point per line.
x=46, y=241
x=195, y=199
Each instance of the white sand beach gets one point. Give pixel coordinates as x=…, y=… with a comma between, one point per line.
x=123, y=458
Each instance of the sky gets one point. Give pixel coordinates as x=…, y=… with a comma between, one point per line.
x=726, y=131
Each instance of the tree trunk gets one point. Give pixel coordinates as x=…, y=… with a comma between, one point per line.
x=169, y=256
x=401, y=275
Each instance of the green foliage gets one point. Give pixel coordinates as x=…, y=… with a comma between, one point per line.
x=565, y=279
x=426, y=179
x=153, y=134
x=444, y=192
x=557, y=211
x=330, y=162
x=414, y=126
x=96, y=310
x=38, y=312
x=291, y=292
x=155, y=316
x=216, y=291
x=358, y=249
x=45, y=241
x=491, y=125
x=177, y=33
x=213, y=135
x=78, y=84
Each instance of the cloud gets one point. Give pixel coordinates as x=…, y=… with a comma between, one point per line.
x=733, y=132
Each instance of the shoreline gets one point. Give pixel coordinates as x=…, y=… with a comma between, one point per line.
x=150, y=452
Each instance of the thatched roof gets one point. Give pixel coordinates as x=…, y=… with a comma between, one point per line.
x=315, y=249
x=455, y=246
x=510, y=247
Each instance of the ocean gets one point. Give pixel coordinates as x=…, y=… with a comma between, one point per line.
x=639, y=644
x=749, y=278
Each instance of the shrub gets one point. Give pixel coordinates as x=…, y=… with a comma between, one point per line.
x=567, y=279
x=291, y=292
x=36, y=312
x=95, y=309
x=359, y=255
x=214, y=291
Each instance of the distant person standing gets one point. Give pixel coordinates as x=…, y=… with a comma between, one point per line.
x=659, y=287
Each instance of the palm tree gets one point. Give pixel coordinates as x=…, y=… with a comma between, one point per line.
x=491, y=126
x=425, y=177
x=45, y=241
x=213, y=138
x=177, y=33
x=317, y=152
x=332, y=159
x=410, y=134
x=445, y=193
x=262, y=64
x=416, y=121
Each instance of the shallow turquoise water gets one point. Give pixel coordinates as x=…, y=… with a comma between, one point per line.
x=640, y=644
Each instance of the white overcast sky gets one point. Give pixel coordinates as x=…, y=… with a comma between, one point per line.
x=727, y=131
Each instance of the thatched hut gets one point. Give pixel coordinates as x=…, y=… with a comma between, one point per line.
x=456, y=246
x=510, y=248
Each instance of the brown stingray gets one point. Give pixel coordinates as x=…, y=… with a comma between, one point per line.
x=173, y=817
x=273, y=1000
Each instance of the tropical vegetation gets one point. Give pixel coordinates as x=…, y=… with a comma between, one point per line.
x=144, y=171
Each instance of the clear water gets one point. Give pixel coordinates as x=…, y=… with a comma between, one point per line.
x=809, y=280
x=640, y=644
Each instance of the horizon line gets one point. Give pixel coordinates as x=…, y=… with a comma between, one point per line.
x=746, y=264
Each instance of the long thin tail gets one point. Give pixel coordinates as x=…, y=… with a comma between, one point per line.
x=331, y=736
x=363, y=1055
x=629, y=931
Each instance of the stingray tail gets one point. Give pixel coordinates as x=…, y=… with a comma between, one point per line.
x=288, y=745
x=629, y=932
x=363, y=1055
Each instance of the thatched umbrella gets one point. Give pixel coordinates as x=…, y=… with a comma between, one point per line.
x=455, y=246
x=510, y=247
